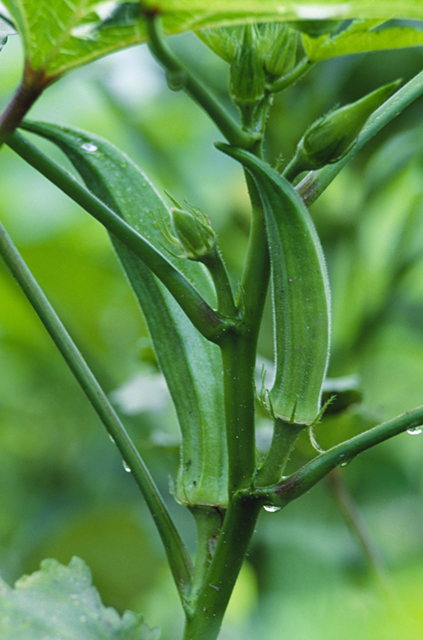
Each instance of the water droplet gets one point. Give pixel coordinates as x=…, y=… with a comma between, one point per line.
x=416, y=431
x=89, y=147
x=112, y=439
x=126, y=467
x=345, y=464
x=271, y=508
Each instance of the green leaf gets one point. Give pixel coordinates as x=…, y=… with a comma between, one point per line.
x=60, y=602
x=190, y=363
x=59, y=35
x=362, y=35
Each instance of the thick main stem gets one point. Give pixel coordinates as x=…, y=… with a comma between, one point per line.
x=238, y=357
x=205, y=620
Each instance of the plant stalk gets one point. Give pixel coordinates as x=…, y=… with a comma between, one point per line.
x=205, y=620
x=178, y=558
x=186, y=80
x=305, y=478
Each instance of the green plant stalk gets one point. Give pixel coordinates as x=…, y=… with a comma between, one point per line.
x=208, y=521
x=178, y=558
x=225, y=301
x=305, y=478
x=205, y=619
x=195, y=88
x=283, y=441
x=295, y=74
x=315, y=182
x=203, y=317
x=238, y=361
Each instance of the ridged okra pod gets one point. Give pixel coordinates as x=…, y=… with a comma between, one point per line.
x=300, y=293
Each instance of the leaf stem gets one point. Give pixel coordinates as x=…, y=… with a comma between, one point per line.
x=203, y=317
x=302, y=480
x=184, y=79
x=178, y=558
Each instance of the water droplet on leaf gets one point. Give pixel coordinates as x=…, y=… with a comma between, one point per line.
x=126, y=467
x=89, y=147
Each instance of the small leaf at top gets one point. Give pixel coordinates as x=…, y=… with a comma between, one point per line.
x=59, y=601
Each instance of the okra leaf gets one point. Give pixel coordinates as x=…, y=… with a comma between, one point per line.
x=363, y=35
x=190, y=363
x=59, y=35
x=59, y=601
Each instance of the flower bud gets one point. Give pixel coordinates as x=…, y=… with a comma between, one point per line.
x=332, y=136
x=280, y=58
x=247, y=78
x=194, y=232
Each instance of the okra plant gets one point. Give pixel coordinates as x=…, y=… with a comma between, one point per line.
x=204, y=326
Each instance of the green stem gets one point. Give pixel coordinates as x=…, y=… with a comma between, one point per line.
x=297, y=72
x=177, y=554
x=302, y=480
x=209, y=523
x=283, y=440
x=238, y=527
x=238, y=358
x=216, y=266
x=195, y=89
x=207, y=321
x=316, y=182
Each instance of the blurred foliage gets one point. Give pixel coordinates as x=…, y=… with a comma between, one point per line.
x=63, y=489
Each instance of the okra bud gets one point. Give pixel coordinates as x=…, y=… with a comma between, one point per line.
x=280, y=58
x=247, y=79
x=195, y=236
x=331, y=137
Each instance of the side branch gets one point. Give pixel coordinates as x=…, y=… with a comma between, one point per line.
x=305, y=478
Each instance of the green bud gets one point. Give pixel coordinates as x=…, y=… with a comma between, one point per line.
x=332, y=136
x=280, y=58
x=224, y=41
x=194, y=233
x=247, y=78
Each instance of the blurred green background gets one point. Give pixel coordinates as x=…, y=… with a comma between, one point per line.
x=63, y=489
